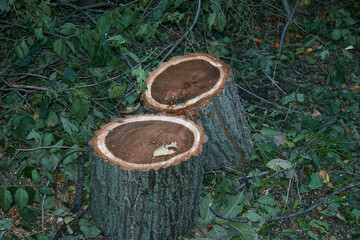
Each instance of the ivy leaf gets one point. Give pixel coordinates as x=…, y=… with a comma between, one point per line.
x=61, y=49
x=234, y=206
x=88, y=228
x=5, y=199
x=21, y=198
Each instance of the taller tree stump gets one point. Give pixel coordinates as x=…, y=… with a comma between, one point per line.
x=202, y=88
x=146, y=176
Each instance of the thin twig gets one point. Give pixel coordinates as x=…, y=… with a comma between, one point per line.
x=39, y=148
x=251, y=176
x=27, y=28
x=319, y=203
x=30, y=87
x=287, y=24
x=262, y=99
x=188, y=31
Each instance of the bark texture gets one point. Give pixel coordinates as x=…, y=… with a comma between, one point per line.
x=201, y=87
x=224, y=123
x=138, y=190
x=157, y=204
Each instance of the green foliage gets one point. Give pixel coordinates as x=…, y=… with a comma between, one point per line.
x=70, y=71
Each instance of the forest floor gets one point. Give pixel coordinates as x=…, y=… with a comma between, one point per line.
x=67, y=67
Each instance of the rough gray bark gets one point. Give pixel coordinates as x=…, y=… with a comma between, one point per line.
x=202, y=87
x=224, y=123
x=155, y=204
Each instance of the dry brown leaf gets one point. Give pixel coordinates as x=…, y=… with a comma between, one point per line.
x=165, y=150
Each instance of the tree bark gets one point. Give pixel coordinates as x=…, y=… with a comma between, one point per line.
x=158, y=198
x=202, y=88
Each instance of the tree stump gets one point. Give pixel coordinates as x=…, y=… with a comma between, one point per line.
x=146, y=176
x=201, y=87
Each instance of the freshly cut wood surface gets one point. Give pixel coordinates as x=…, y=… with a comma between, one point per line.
x=201, y=87
x=146, y=176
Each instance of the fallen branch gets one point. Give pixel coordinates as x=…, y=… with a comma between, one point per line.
x=319, y=203
x=287, y=24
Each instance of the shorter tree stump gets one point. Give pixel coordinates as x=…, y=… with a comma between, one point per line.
x=201, y=87
x=142, y=185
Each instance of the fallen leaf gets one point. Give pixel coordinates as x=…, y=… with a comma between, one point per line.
x=258, y=41
x=280, y=138
x=324, y=176
x=276, y=164
x=165, y=150
x=341, y=217
x=316, y=113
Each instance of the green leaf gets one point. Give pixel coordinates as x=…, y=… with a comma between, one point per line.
x=21, y=198
x=24, y=48
x=211, y=20
x=49, y=202
x=315, y=182
x=269, y=131
x=276, y=164
x=356, y=213
x=47, y=139
x=33, y=135
x=206, y=215
x=45, y=190
x=220, y=22
x=5, y=199
x=70, y=74
x=300, y=97
x=245, y=230
x=118, y=38
x=5, y=224
x=61, y=49
x=45, y=8
x=68, y=29
x=67, y=125
x=267, y=200
x=254, y=217
x=35, y=176
x=288, y=99
x=81, y=105
x=234, y=206
x=218, y=232
x=88, y=228
x=336, y=34
x=116, y=90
